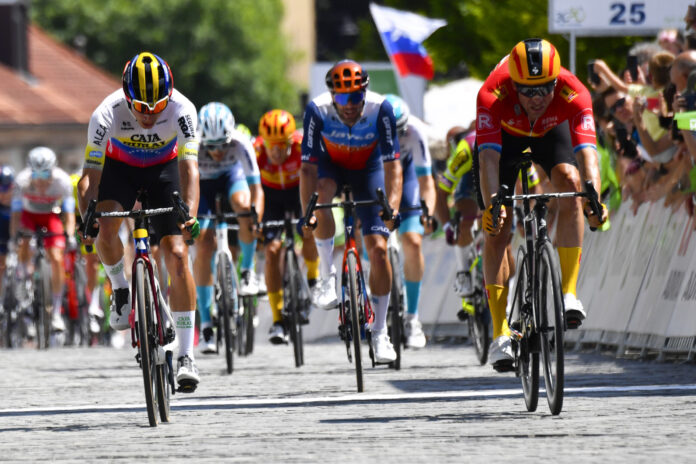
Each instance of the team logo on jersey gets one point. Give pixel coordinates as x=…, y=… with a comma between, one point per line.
x=568, y=94
x=500, y=93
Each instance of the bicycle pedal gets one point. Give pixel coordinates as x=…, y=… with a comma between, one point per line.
x=187, y=386
x=462, y=315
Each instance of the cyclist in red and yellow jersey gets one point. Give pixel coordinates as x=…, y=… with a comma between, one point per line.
x=279, y=156
x=529, y=100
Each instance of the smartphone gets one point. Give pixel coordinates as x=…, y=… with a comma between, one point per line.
x=592, y=76
x=632, y=65
x=652, y=103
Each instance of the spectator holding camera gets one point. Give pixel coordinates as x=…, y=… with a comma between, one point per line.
x=685, y=97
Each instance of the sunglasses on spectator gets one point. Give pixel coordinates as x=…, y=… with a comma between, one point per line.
x=45, y=174
x=146, y=108
x=617, y=104
x=352, y=97
x=530, y=91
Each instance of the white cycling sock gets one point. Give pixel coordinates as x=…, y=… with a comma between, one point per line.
x=57, y=303
x=461, y=254
x=116, y=275
x=380, y=305
x=184, y=325
x=325, y=250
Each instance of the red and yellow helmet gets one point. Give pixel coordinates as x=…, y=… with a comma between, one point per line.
x=534, y=62
x=276, y=126
x=346, y=76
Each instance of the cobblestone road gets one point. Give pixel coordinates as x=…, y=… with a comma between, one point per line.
x=79, y=404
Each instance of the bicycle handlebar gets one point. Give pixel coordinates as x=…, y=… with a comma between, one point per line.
x=387, y=211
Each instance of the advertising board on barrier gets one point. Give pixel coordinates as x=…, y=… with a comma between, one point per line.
x=683, y=320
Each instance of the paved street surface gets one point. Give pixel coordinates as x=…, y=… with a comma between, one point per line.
x=80, y=404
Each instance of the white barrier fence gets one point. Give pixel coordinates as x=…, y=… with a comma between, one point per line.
x=638, y=282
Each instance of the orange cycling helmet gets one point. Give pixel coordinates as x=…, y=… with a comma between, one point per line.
x=346, y=76
x=276, y=126
x=534, y=62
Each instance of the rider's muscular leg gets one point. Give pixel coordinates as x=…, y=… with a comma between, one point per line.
x=380, y=278
x=241, y=202
x=496, y=273
x=311, y=257
x=566, y=178
x=326, y=188
x=55, y=256
x=183, y=291
x=273, y=279
x=414, y=265
x=110, y=247
x=205, y=246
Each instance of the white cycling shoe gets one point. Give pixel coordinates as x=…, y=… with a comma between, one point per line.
x=415, y=338
x=382, y=347
x=500, y=354
x=574, y=311
x=326, y=297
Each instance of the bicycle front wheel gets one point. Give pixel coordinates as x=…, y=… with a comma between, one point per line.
x=480, y=327
x=225, y=307
x=356, y=309
x=524, y=335
x=293, y=304
x=145, y=330
x=396, y=310
x=550, y=309
x=42, y=295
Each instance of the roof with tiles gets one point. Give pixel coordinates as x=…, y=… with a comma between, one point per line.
x=64, y=86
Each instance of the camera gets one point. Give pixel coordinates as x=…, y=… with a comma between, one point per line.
x=632, y=65
x=627, y=146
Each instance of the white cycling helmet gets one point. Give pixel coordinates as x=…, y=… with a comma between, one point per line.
x=401, y=111
x=42, y=159
x=215, y=124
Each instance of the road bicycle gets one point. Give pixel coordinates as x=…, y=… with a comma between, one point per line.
x=397, y=300
x=537, y=318
x=355, y=310
x=234, y=322
x=296, y=295
x=151, y=323
x=480, y=330
x=12, y=328
x=75, y=301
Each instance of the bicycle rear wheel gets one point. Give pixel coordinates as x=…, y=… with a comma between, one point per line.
x=396, y=308
x=480, y=327
x=550, y=308
x=292, y=304
x=522, y=324
x=145, y=331
x=225, y=307
x=42, y=292
x=249, y=312
x=356, y=309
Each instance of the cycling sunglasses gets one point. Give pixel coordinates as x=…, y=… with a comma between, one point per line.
x=352, y=97
x=617, y=104
x=44, y=174
x=217, y=146
x=146, y=108
x=530, y=91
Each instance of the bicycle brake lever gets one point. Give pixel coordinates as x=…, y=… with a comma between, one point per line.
x=182, y=211
x=387, y=212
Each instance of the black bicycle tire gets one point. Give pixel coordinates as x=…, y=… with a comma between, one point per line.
x=480, y=327
x=292, y=304
x=396, y=309
x=240, y=322
x=225, y=309
x=355, y=303
x=9, y=304
x=528, y=362
x=162, y=370
x=144, y=321
x=553, y=382
x=41, y=290
x=249, y=312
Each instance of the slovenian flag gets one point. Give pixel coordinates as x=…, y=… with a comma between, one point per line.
x=403, y=34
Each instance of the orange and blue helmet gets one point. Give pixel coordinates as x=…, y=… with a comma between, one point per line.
x=147, y=83
x=534, y=62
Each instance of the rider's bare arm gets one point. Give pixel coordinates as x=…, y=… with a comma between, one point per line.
x=489, y=160
x=188, y=173
x=393, y=180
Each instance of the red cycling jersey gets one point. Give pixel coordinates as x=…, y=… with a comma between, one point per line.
x=498, y=108
x=286, y=175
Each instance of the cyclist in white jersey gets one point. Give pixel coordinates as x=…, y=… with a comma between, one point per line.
x=418, y=183
x=42, y=191
x=227, y=163
x=143, y=137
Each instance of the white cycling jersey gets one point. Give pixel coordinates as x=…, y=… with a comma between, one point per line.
x=240, y=150
x=414, y=146
x=41, y=199
x=115, y=133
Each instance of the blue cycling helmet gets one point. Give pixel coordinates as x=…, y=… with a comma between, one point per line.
x=401, y=111
x=6, y=178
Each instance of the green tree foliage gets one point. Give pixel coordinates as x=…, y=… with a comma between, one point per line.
x=481, y=32
x=218, y=50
